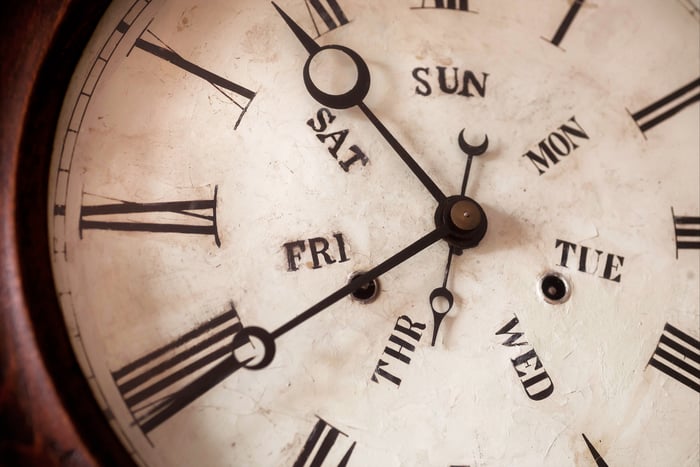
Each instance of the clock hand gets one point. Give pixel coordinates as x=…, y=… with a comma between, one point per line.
x=471, y=151
x=404, y=155
x=166, y=408
x=599, y=461
x=307, y=41
x=419, y=245
x=440, y=232
x=355, y=97
x=443, y=292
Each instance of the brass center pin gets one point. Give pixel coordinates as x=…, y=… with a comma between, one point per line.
x=465, y=215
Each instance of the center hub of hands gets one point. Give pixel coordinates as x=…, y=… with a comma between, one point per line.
x=465, y=219
x=465, y=214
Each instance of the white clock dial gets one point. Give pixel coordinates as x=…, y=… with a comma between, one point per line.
x=518, y=180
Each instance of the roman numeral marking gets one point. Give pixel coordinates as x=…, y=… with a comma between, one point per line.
x=566, y=24
x=318, y=446
x=154, y=386
x=194, y=217
x=678, y=355
x=668, y=106
x=687, y=229
x=332, y=15
x=78, y=109
x=460, y=5
x=238, y=95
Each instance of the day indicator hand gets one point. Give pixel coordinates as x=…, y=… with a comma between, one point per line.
x=472, y=221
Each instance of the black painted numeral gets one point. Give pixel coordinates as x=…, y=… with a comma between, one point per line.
x=331, y=14
x=667, y=106
x=398, y=349
x=558, y=144
x=194, y=217
x=461, y=5
x=527, y=365
x=597, y=458
x=154, y=387
x=678, y=355
x=687, y=230
x=566, y=23
x=318, y=446
x=240, y=96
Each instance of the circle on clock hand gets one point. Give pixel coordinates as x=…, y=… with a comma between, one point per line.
x=470, y=149
x=441, y=300
x=465, y=219
x=260, y=335
x=347, y=99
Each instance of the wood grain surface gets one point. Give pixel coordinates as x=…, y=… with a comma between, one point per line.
x=47, y=414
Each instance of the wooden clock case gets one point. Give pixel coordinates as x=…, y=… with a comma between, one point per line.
x=48, y=416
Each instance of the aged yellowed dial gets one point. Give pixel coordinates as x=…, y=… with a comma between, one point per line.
x=396, y=233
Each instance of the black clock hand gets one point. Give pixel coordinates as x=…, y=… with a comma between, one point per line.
x=470, y=151
x=355, y=97
x=414, y=248
x=441, y=309
x=169, y=406
x=599, y=461
x=404, y=155
x=307, y=41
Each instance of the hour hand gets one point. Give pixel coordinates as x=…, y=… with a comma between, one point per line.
x=344, y=100
x=307, y=41
x=355, y=97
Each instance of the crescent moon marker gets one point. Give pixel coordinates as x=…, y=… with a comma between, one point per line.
x=473, y=150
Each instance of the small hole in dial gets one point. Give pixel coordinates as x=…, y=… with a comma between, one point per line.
x=367, y=292
x=554, y=288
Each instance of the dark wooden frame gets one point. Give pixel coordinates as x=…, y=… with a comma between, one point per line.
x=48, y=416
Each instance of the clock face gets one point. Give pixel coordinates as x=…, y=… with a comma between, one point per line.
x=349, y=232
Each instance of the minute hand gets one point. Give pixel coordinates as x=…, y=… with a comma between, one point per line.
x=355, y=97
x=403, y=154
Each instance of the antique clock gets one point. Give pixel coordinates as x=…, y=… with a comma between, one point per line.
x=351, y=233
